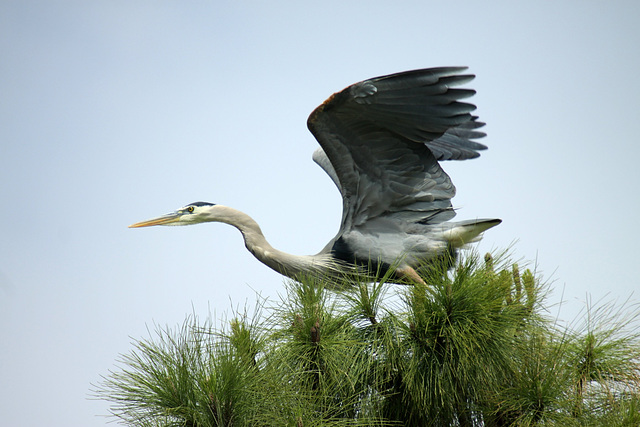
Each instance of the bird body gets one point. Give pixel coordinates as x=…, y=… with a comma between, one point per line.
x=381, y=141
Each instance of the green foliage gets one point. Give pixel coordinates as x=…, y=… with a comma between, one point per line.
x=473, y=348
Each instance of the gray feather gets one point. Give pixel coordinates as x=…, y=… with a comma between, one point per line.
x=381, y=140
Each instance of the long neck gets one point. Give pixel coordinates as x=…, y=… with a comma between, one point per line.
x=282, y=262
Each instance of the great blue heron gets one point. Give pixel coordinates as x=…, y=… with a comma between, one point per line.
x=381, y=140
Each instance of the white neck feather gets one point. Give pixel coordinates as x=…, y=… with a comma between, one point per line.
x=282, y=262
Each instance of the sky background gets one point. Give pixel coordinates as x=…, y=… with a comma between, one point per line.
x=112, y=112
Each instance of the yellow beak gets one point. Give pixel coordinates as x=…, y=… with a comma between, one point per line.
x=161, y=220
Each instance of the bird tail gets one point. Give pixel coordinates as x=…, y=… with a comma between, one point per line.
x=458, y=234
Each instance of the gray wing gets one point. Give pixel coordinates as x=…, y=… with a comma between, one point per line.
x=382, y=138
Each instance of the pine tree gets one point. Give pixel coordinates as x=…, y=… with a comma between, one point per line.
x=475, y=347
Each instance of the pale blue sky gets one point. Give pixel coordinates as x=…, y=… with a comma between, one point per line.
x=112, y=112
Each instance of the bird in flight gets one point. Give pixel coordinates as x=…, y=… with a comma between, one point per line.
x=381, y=141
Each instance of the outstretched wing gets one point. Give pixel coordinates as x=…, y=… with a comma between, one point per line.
x=382, y=138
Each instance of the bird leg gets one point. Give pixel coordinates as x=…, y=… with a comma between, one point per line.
x=410, y=275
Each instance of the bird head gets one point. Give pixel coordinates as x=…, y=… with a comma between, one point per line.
x=193, y=213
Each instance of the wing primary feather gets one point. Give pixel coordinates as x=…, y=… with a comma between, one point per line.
x=381, y=142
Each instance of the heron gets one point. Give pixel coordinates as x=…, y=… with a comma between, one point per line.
x=381, y=141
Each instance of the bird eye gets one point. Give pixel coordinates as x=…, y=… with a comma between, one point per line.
x=190, y=209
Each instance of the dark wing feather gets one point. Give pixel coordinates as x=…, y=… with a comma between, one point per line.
x=457, y=144
x=384, y=137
